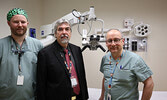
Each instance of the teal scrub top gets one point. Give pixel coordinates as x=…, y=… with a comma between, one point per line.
x=9, y=70
x=130, y=70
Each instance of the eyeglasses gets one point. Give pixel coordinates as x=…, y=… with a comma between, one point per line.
x=116, y=40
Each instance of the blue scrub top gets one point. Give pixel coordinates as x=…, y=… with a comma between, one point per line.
x=130, y=70
x=9, y=90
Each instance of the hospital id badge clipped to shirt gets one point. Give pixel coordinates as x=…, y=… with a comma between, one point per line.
x=74, y=82
x=108, y=96
x=20, y=80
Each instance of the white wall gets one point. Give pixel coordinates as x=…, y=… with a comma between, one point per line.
x=113, y=12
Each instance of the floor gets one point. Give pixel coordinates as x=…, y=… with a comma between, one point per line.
x=94, y=94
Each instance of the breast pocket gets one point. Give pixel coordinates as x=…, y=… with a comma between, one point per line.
x=31, y=57
x=123, y=75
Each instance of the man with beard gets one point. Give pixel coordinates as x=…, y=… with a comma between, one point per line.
x=18, y=58
x=60, y=68
x=123, y=70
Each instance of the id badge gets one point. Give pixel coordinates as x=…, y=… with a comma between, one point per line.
x=74, y=82
x=108, y=96
x=73, y=98
x=20, y=80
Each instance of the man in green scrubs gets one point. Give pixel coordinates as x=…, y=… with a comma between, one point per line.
x=123, y=70
x=18, y=58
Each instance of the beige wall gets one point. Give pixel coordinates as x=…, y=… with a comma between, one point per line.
x=113, y=12
x=33, y=8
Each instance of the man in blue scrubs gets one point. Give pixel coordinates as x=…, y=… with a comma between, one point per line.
x=123, y=70
x=18, y=58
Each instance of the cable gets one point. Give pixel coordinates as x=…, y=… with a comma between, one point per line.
x=74, y=14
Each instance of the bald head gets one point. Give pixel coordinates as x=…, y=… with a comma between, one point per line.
x=114, y=33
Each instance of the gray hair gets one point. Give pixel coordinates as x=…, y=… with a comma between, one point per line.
x=59, y=22
x=117, y=30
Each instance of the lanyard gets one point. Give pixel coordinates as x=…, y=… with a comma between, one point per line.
x=19, y=52
x=112, y=72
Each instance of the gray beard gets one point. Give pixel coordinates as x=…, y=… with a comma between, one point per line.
x=64, y=41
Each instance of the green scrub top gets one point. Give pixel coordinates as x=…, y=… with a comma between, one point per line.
x=130, y=70
x=9, y=70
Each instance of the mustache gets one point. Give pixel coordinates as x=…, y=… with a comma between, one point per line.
x=20, y=28
x=64, y=35
x=64, y=40
x=113, y=47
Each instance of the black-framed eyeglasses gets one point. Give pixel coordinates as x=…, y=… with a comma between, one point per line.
x=116, y=40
